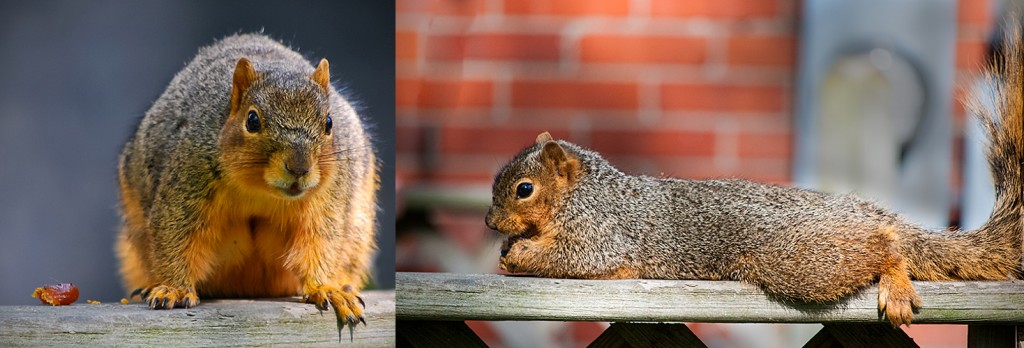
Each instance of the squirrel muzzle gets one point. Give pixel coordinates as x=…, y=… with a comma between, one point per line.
x=293, y=173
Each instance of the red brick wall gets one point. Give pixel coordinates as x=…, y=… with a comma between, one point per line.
x=676, y=88
x=662, y=87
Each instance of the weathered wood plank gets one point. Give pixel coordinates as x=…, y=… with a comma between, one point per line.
x=991, y=336
x=643, y=335
x=429, y=334
x=212, y=323
x=443, y=296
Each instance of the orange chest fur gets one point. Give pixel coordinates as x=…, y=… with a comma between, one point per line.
x=247, y=238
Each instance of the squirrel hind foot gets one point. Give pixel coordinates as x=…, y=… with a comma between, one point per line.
x=897, y=299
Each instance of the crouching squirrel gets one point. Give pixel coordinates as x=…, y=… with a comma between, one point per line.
x=568, y=213
x=250, y=176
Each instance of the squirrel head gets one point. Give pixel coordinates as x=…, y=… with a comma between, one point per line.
x=278, y=136
x=528, y=188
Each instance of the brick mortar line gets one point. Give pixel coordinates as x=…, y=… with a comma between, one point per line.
x=702, y=121
x=623, y=25
x=480, y=69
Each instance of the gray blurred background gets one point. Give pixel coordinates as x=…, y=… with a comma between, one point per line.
x=76, y=76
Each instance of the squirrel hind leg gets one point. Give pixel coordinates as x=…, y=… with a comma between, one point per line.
x=897, y=298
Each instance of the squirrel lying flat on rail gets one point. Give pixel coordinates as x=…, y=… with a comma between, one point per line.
x=568, y=213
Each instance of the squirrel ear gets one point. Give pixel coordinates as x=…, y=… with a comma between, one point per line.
x=543, y=138
x=558, y=161
x=244, y=76
x=322, y=74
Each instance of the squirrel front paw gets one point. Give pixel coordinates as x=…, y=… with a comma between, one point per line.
x=348, y=306
x=168, y=297
x=512, y=254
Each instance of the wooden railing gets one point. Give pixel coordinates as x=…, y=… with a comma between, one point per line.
x=214, y=323
x=431, y=308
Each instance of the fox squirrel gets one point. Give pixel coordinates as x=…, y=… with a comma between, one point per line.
x=250, y=176
x=568, y=213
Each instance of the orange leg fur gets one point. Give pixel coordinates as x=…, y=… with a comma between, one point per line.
x=323, y=281
x=163, y=281
x=177, y=276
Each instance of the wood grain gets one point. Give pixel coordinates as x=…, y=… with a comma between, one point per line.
x=212, y=323
x=445, y=296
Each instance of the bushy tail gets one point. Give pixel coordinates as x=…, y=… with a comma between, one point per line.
x=993, y=251
x=1005, y=126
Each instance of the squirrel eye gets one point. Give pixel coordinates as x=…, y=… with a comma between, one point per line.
x=330, y=123
x=252, y=122
x=524, y=190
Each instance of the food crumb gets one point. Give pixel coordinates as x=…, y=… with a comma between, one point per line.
x=124, y=301
x=57, y=294
x=92, y=302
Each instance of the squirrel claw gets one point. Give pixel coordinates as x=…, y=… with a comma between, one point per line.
x=352, y=321
x=157, y=302
x=143, y=293
x=160, y=303
x=361, y=302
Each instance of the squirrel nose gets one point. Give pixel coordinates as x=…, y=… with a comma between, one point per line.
x=298, y=161
x=297, y=169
